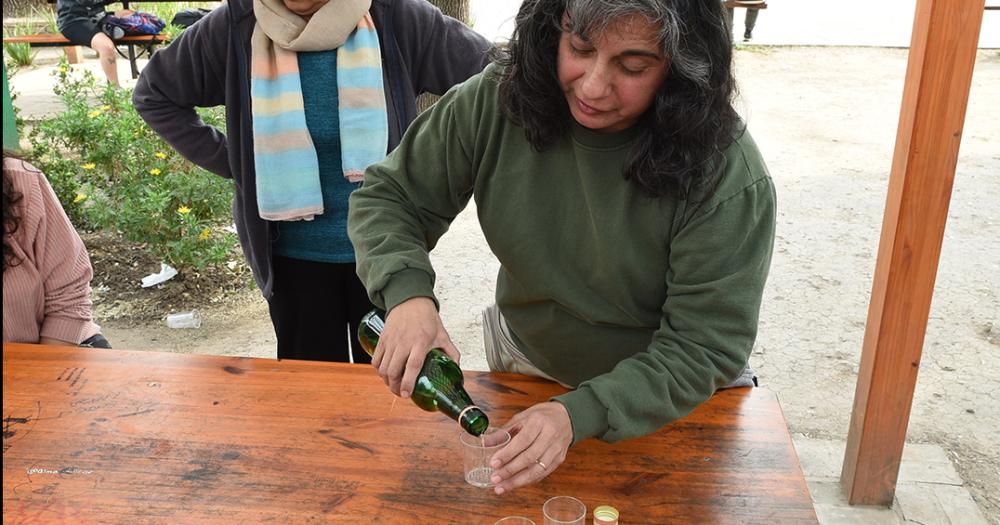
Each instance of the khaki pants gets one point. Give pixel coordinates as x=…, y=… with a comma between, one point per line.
x=501, y=352
x=503, y=356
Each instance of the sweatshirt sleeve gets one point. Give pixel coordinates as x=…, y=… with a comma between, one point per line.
x=65, y=271
x=441, y=51
x=189, y=73
x=719, y=262
x=409, y=200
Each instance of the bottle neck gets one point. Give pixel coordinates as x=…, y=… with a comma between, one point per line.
x=370, y=329
x=473, y=420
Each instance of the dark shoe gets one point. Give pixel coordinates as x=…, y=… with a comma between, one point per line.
x=97, y=341
x=747, y=36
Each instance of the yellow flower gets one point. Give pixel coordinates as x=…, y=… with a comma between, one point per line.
x=105, y=108
x=94, y=114
x=155, y=171
x=89, y=166
x=79, y=198
x=160, y=155
x=203, y=236
x=183, y=210
x=64, y=69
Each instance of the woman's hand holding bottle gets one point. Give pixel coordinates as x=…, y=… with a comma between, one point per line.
x=412, y=329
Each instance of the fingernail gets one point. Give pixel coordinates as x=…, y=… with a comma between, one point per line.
x=495, y=479
x=404, y=393
x=495, y=463
x=498, y=490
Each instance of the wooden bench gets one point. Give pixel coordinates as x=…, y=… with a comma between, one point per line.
x=747, y=4
x=146, y=44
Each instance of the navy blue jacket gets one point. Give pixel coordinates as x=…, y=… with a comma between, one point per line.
x=209, y=65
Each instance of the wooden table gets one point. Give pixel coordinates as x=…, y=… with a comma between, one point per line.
x=112, y=436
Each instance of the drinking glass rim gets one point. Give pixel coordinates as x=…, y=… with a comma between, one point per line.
x=463, y=436
x=550, y=518
x=523, y=518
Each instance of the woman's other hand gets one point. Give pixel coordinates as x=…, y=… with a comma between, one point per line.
x=411, y=330
x=542, y=435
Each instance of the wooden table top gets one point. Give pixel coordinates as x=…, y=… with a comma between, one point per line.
x=113, y=436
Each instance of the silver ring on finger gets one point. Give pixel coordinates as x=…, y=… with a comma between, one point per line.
x=540, y=464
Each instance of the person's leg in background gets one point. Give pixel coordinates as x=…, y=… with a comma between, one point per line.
x=307, y=311
x=358, y=305
x=749, y=23
x=108, y=54
x=316, y=308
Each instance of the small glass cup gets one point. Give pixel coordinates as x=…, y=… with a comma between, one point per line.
x=514, y=520
x=477, y=452
x=564, y=510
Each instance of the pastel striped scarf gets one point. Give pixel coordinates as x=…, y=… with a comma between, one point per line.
x=286, y=164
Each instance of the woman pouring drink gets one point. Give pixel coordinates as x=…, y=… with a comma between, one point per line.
x=630, y=210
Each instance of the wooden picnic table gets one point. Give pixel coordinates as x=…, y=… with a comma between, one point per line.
x=113, y=436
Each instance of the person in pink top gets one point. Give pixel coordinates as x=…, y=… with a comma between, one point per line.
x=46, y=269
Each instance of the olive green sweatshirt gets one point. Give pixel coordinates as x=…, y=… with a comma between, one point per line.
x=646, y=305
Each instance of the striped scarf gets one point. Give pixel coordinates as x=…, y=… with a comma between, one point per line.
x=287, y=168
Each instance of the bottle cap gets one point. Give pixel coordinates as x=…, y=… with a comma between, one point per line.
x=605, y=515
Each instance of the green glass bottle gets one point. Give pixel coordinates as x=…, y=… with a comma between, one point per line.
x=439, y=384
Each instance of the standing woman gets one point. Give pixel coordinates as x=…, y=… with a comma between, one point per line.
x=46, y=269
x=630, y=210
x=315, y=91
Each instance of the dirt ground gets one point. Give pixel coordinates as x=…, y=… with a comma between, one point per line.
x=825, y=119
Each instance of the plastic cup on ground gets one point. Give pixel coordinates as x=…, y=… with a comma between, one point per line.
x=564, y=510
x=190, y=319
x=477, y=452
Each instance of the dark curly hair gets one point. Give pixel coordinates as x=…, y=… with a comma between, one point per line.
x=11, y=220
x=682, y=137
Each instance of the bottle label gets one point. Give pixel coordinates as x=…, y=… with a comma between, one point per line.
x=376, y=323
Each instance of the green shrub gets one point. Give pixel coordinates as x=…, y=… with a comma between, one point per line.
x=20, y=54
x=113, y=173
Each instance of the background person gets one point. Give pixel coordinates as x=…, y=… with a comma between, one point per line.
x=80, y=22
x=46, y=270
x=749, y=22
x=631, y=212
x=312, y=96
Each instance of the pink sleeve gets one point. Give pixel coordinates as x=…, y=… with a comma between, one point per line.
x=65, y=270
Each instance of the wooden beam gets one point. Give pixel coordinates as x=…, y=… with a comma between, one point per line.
x=935, y=96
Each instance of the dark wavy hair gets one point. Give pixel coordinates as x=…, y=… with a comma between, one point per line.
x=679, y=152
x=11, y=220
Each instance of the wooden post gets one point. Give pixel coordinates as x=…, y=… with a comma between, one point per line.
x=935, y=96
x=74, y=54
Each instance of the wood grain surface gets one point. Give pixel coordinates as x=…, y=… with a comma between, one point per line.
x=112, y=436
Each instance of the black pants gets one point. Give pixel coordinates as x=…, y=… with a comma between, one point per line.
x=313, y=307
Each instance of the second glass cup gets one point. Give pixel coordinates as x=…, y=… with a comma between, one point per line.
x=564, y=510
